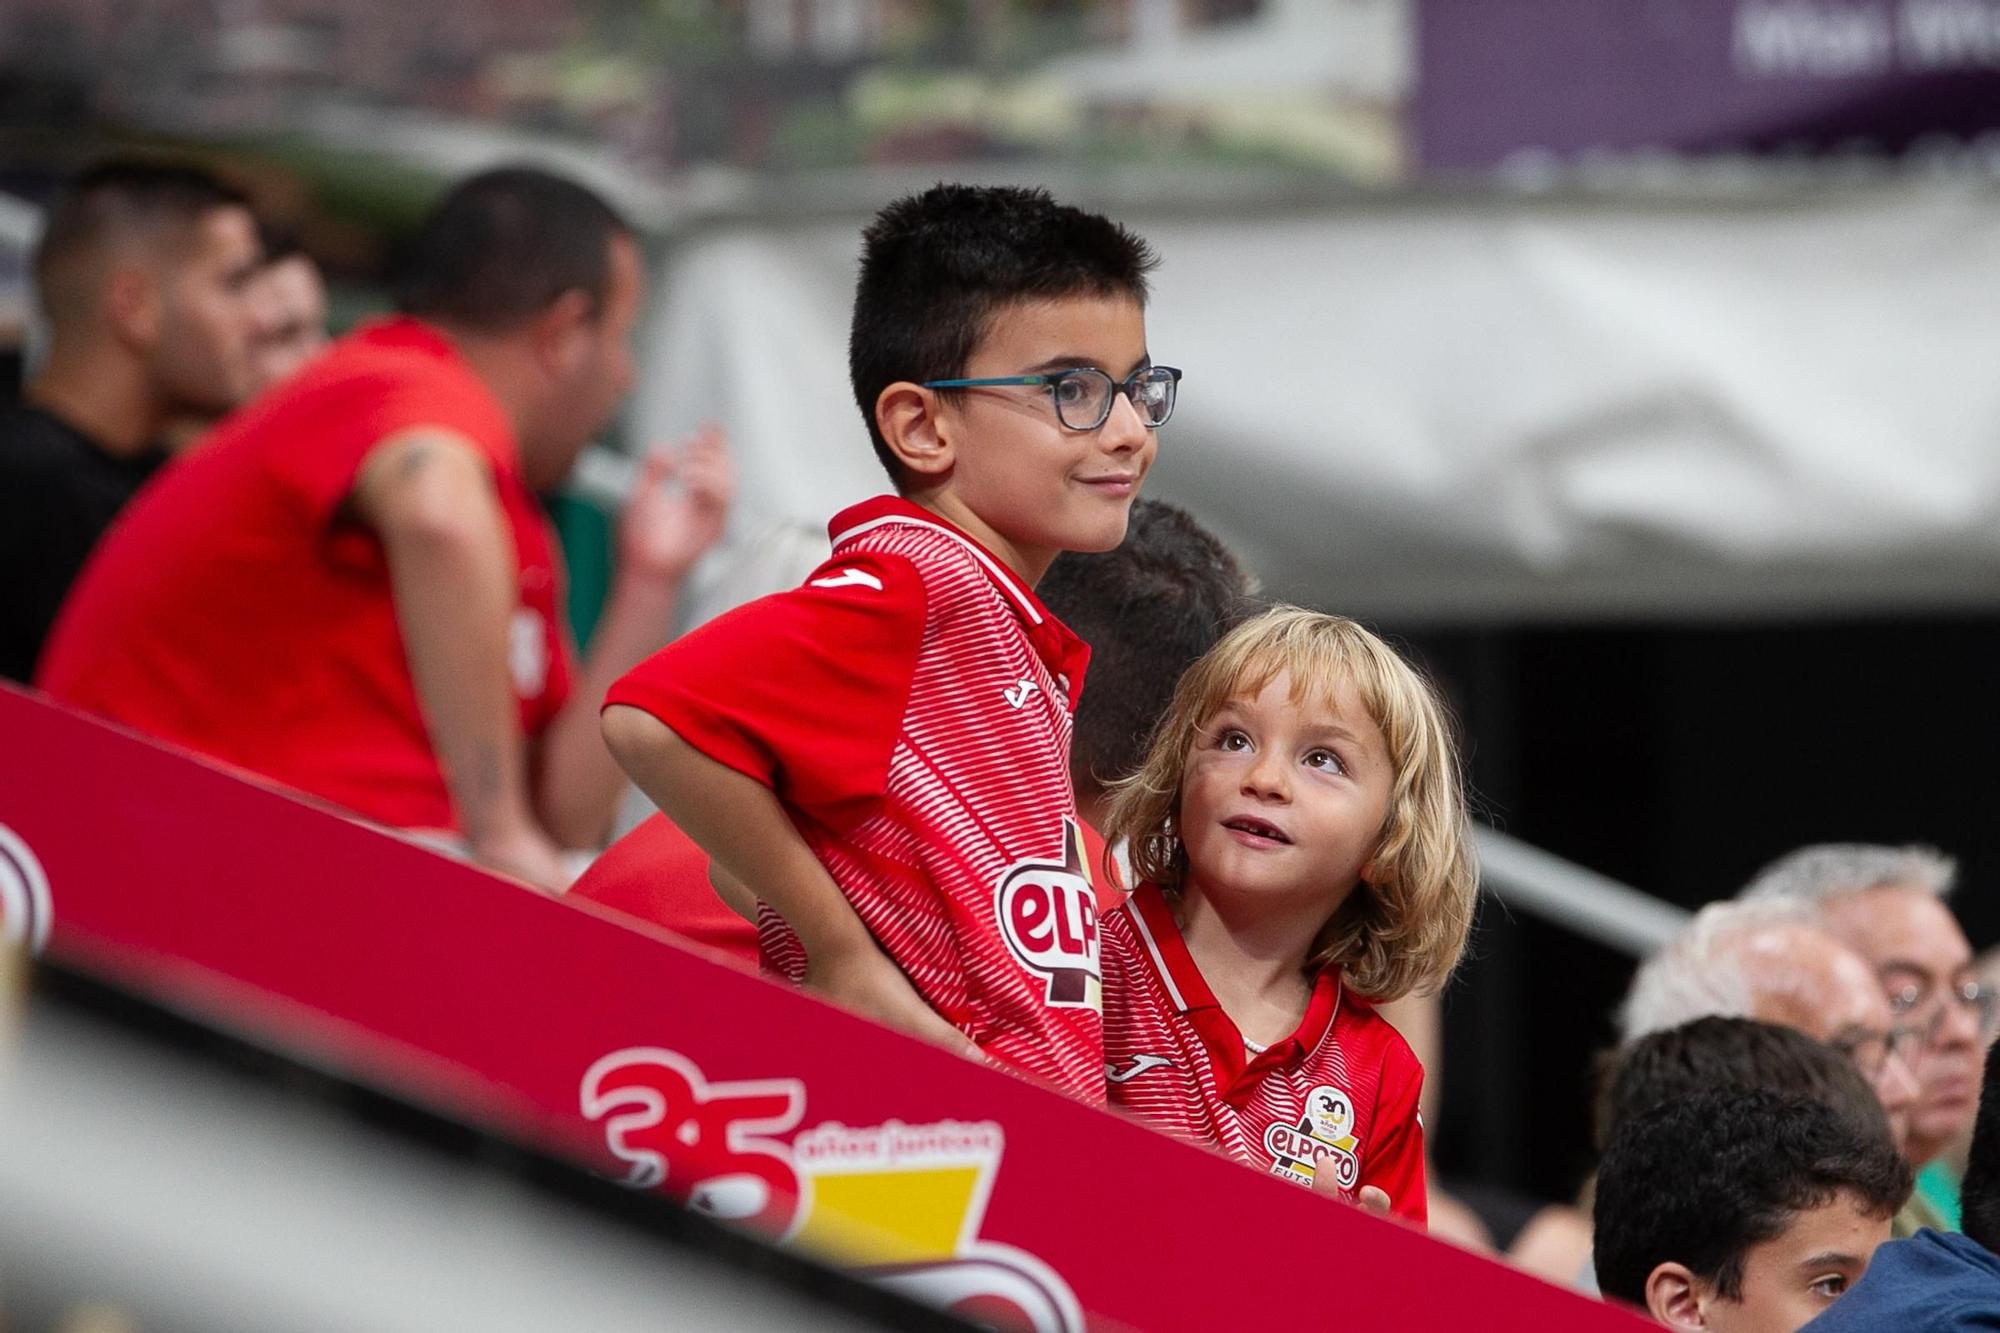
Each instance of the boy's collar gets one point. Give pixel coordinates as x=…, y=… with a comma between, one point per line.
x=1056, y=642
x=887, y=509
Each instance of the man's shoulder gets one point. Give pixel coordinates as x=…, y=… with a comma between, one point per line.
x=34, y=443
x=363, y=368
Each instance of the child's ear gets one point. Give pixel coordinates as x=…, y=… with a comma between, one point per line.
x=907, y=415
x=1673, y=1297
x=1368, y=876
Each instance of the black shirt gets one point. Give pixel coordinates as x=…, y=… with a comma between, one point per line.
x=58, y=493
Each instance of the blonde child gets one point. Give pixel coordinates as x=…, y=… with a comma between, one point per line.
x=1300, y=832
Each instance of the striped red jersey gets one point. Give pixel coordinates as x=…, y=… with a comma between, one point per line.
x=1339, y=1094
x=911, y=707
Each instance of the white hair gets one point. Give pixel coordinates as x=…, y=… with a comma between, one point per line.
x=1701, y=972
x=1811, y=875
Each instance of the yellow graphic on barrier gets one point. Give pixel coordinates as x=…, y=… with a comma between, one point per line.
x=895, y=1193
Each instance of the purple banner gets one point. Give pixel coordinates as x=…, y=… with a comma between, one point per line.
x=1506, y=83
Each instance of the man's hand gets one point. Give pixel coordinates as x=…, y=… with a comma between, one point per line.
x=1372, y=1198
x=524, y=854
x=678, y=509
x=865, y=981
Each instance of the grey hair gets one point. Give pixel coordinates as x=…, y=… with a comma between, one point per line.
x=1811, y=875
x=1700, y=973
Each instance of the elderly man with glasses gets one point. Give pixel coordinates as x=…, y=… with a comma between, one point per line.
x=1775, y=963
x=1887, y=904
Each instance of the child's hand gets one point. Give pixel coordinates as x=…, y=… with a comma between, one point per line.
x=868, y=983
x=1372, y=1199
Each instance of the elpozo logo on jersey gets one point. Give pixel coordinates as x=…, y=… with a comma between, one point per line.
x=26, y=912
x=1322, y=1140
x=1048, y=916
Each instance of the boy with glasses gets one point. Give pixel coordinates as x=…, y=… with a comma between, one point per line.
x=881, y=756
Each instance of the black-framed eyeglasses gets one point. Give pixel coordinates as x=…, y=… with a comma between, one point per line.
x=1976, y=997
x=1083, y=396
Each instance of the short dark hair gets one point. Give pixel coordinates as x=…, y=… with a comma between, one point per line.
x=1729, y=1053
x=1979, y=1193
x=937, y=266
x=117, y=197
x=1704, y=1177
x=1148, y=609
x=498, y=248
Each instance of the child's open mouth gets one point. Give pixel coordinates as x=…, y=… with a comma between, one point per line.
x=1257, y=828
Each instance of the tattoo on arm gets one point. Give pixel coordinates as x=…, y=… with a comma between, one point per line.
x=413, y=460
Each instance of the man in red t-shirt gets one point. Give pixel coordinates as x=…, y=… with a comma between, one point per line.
x=353, y=589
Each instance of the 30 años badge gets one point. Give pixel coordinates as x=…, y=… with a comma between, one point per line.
x=1322, y=1138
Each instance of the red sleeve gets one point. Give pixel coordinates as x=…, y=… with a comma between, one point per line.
x=804, y=691
x=347, y=419
x=1394, y=1160
x=657, y=874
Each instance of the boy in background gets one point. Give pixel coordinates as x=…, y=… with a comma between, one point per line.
x=1936, y=1282
x=1742, y=1210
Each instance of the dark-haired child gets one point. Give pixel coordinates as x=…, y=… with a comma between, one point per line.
x=1742, y=1210
x=1937, y=1282
x=882, y=754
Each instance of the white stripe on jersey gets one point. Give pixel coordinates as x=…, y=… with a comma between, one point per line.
x=993, y=567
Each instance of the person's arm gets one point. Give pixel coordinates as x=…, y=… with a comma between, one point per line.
x=677, y=511
x=1393, y=1159
x=739, y=822
x=428, y=494
x=735, y=894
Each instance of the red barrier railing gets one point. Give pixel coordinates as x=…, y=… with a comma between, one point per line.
x=282, y=921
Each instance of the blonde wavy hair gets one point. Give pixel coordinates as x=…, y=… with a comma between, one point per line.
x=1404, y=929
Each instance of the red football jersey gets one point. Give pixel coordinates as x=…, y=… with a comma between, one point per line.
x=911, y=706
x=658, y=874
x=1339, y=1094
x=1106, y=878
x=233, y=608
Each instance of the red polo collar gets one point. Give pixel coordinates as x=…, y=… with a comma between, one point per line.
x=1060, y=649
x=1237, y=1072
